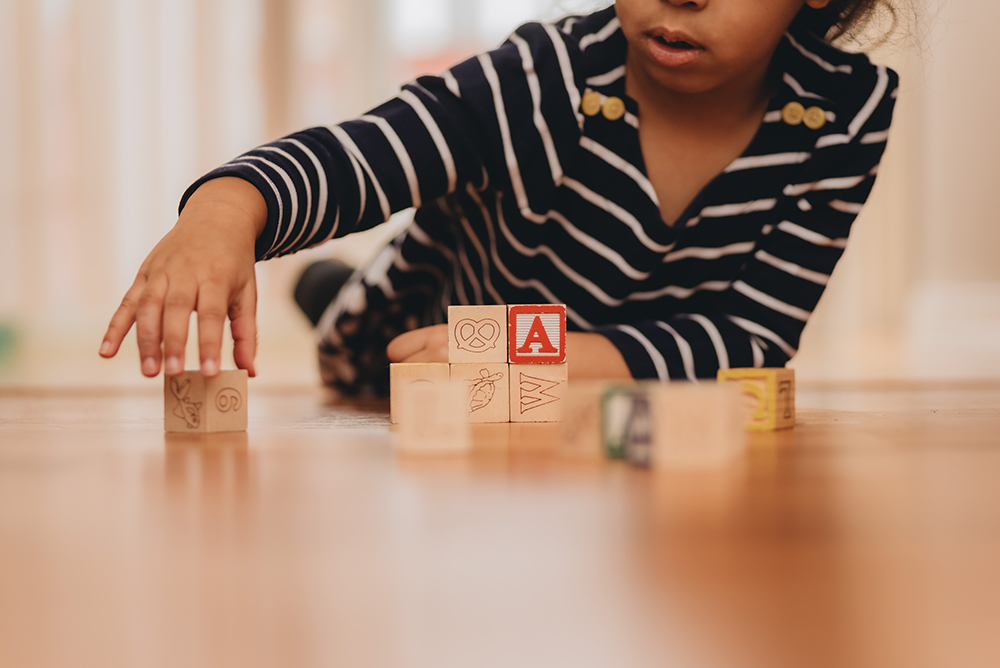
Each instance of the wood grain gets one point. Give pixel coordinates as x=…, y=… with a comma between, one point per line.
x=868, y=535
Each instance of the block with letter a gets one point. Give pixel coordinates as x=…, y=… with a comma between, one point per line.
x=536, y=334
x=537, y=392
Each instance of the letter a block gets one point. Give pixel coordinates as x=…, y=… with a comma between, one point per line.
x=195, y=404
x=477, y=334
x=768, y=396
x=536, y=334
x=537, y=392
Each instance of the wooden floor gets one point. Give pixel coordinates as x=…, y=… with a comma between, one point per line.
x=867, y=536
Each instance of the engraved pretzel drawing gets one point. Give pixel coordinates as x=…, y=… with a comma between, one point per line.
x=187, y=410
x=477, y=335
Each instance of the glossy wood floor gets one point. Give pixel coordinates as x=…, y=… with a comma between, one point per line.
x=867, y=536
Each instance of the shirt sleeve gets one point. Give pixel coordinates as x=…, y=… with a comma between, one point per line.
x=440, y=134
x=762, y=314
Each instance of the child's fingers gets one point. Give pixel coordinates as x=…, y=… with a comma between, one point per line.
x=428, y=356
x=243, y=323
x=406, y=345
x=212, y=308
x=178, y=303
x=123, y=319
x=148, y=323
x=428, y=344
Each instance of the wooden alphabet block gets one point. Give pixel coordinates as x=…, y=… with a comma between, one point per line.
x=487, y=397
x=768, y=396
x=536, y=333
x=432, y=418
x=696, y=425
x=402, y=375
x=537, y=392
x=627, y=423
x=581, y=425
x=193, y=403
x=477, y=334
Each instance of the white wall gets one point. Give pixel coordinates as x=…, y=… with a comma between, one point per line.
x=954, y=322
x=918, y=292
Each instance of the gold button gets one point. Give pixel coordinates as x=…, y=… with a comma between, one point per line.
x=614, y=108
x=814, y=118
x=591, y=103
x=793, y=113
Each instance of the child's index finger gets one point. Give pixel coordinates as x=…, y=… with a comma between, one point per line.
x=122, y=320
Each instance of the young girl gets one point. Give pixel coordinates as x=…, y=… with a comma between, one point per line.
x=682, y=175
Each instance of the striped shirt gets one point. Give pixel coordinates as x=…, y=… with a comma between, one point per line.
x=523, y=198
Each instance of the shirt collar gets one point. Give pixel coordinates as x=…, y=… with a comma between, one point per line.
x=811, y=71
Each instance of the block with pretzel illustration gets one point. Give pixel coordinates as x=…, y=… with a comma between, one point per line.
x=477, y=334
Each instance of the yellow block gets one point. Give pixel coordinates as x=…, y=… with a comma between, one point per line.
x=769, y=396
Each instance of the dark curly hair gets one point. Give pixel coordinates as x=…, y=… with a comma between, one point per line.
x=849, y=20
x=862, y=23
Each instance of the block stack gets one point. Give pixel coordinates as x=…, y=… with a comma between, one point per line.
x=510, y=361
x=508, y=364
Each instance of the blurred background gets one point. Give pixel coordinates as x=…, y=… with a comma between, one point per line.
x=110, y=108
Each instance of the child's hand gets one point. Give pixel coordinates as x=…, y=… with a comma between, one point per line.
x=204, y=264
x=428, y=344
x=593, y=356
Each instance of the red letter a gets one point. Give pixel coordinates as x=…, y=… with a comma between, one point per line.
x=536, y=334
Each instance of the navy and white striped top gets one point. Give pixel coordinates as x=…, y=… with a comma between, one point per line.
x=522, y=198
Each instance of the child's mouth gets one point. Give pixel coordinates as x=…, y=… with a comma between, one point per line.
x=676, y=44
x=673, y=49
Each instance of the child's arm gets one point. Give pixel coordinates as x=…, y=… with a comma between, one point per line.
x=436, y=137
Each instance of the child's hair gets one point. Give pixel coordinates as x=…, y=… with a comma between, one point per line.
x=855, y=21
x=862, y=23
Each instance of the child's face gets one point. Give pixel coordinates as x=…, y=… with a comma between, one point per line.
x=696, y=46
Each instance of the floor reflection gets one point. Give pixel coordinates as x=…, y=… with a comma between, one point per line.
x=208, y=467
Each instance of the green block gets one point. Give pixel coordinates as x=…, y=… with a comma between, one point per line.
x=626, y=424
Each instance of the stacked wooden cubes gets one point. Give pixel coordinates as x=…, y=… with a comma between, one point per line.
x=510, y=361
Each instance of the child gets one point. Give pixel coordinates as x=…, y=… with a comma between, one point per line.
x=682, y=175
